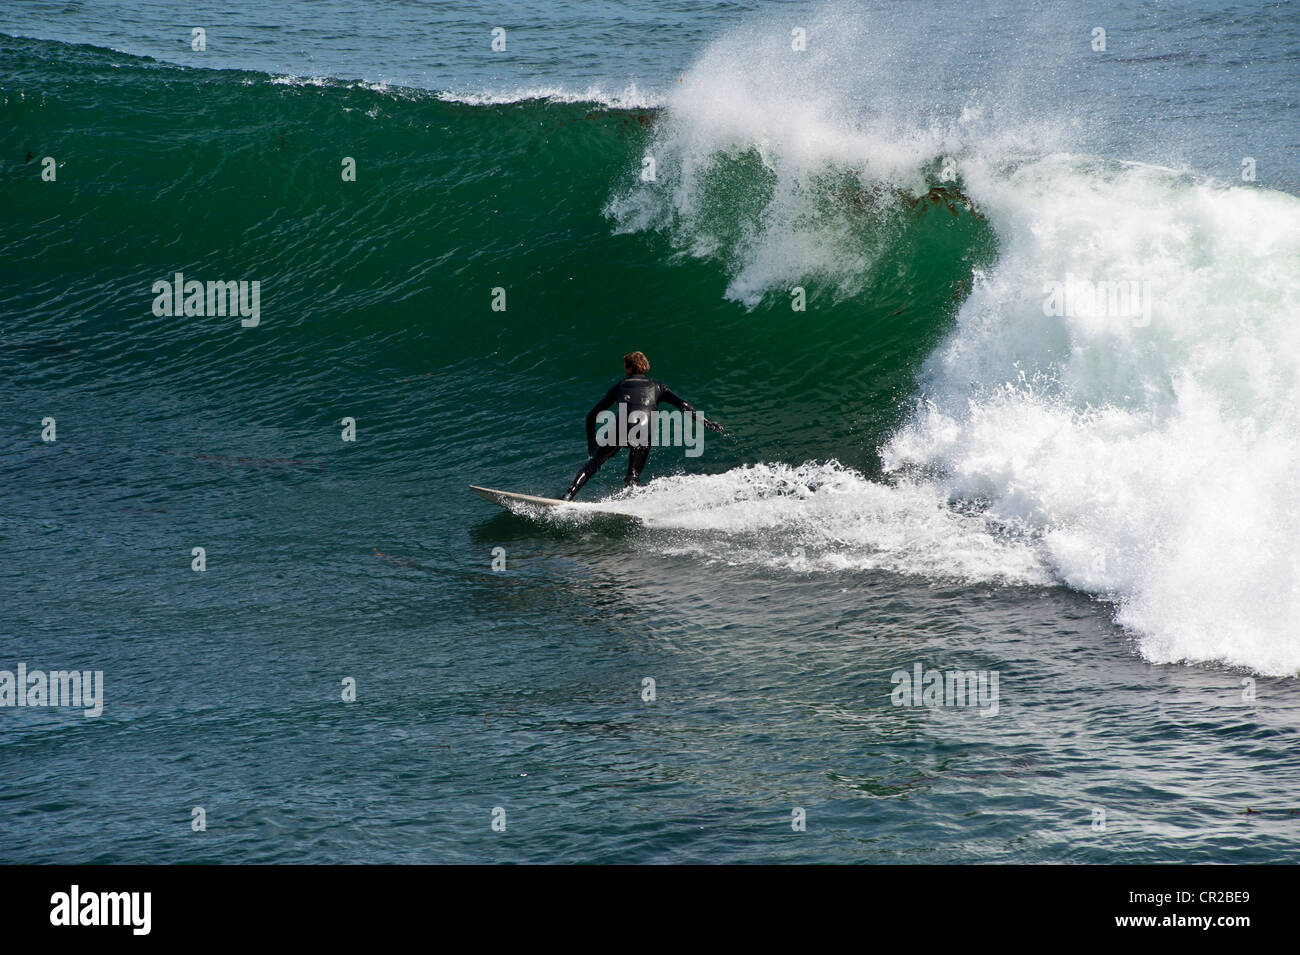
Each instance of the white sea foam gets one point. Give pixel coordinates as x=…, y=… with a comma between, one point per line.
x=822, y=516
x=1159, y=460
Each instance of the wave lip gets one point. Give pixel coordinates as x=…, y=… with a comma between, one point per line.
x=630, y=97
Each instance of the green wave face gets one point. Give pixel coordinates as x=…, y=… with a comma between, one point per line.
x=227, y=175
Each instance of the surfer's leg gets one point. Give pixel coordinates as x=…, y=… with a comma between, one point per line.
x=591, y=467
x=636, y=459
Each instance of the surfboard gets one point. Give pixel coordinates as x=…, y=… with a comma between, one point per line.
x=506, y=498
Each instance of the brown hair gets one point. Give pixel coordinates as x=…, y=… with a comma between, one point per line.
x=636, y=362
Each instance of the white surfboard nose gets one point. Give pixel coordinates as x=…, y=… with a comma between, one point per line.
x=506, y=498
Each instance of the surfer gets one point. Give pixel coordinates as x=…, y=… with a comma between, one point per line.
x=639, y=397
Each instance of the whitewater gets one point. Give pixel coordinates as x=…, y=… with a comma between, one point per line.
x=1148, y=461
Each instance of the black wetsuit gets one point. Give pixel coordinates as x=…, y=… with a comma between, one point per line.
x=640, y=394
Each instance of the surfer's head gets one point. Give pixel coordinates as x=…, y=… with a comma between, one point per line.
x=636, y=363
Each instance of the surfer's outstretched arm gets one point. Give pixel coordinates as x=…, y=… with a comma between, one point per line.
x=688, y=408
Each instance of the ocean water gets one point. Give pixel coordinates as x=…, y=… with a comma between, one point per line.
x=939, y=463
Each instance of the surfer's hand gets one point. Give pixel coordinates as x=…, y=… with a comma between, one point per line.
x=714, y=426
